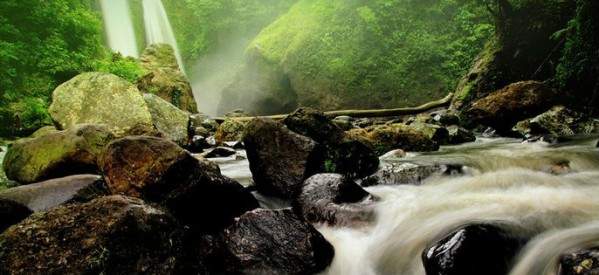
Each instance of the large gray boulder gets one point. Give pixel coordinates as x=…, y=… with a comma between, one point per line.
x=168, y=119
x=99, y=98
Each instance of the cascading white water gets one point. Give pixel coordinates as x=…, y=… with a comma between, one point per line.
x=510, y=187
x=158, y=27
x=119, y=27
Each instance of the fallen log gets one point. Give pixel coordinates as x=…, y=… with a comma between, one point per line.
x=367, y=113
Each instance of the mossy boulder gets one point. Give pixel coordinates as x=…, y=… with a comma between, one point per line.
x=230, y=130
x=70, y=152
x=167, y=118
x=109, y=235
x=558, y=122
x=99, y=98
x=44, y=131
x=384, y=138
x=164, y=77
x=503, y=108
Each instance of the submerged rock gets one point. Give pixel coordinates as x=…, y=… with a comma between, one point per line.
x=473, y=250
x=109, y=235
x=558, y=122
x=280, y=160
x=11, y=213
x=335, y=200
x=409, y=173
x=164, y=77
x=99, y=98
x=275, y=242
x=168, y=119
x=384, y=138
x=46, y=195
x=582, y=262
x=59, y=154
x=230, y=130
x=502, y=109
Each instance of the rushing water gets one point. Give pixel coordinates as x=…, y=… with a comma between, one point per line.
x=158, y=27
x=119, y=27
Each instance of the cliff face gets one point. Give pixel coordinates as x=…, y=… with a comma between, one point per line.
x=526, y=46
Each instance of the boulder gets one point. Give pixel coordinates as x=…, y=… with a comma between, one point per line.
x=59, y=154
x=99, y=98
x=46, y=195
x=44, y=131
x=384, y=138
x=558, y=122
x=164, y=77
x=274, y=242
x=473, y=250
x=459, y=135
x=11, y=213
x=581, y=262
x=438, y=134
x=109, y=235
x=197, y=144
x=446, y=118
x=280, y=160
x=201, y=131
x=409, y=173
x=159, y=171
x=351, y=158
x=168, y=119
x=335, y=200
x=230, y=130
x=146, y=167
x=219, y=152
x=502, y=109
x=315, y=125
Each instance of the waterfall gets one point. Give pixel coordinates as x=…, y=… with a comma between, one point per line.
x=119, y=27
x=158, y=27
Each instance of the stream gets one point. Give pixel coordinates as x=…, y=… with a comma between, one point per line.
x=548, y=193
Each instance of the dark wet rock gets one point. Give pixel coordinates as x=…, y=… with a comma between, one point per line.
x=502, y=109
x=146, y=167
x=473, y=250
x=315, y=125
x=384, y=138
x=58, y=154
x=459, y=135
x=157, y=170
x=597, y=144
x=234, y=144
x=352, y=158
x=581, y=262
x=230, y=130
x=219, y=152
x=164, y=77
x=280, y=160
x=198, y=144
x=446, y=118
x=558, y=122
x=275, y=242
x=335, y=200
x=409, y=173
x=46, y=195
x=109, y=235
x=11, y=213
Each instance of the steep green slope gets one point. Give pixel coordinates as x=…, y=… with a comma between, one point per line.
x=335, y=54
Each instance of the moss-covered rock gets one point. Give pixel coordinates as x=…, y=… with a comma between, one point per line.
x=230, y=130
x=165, y=79
x=110, y=235
x=558, y=122
x=99, y=98
x=503, y=108
x=69, y=152
x=384, y=138
x=168, y=119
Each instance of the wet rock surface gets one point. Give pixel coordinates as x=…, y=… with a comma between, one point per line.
x=558, y=122
x=219, y=152
x=581, y=262
x=46, y=195
x=280, y=160
x=335, y=200
x=11, y=213
x=409, y=173
x=252, y=242
x=384, y=138
x=315, y=125
x=459, y=135
x=473, y=250
x=110, y=235
x=58, y=154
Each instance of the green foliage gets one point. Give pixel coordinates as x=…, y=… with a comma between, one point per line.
x=125, y=67
x=375, y=53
